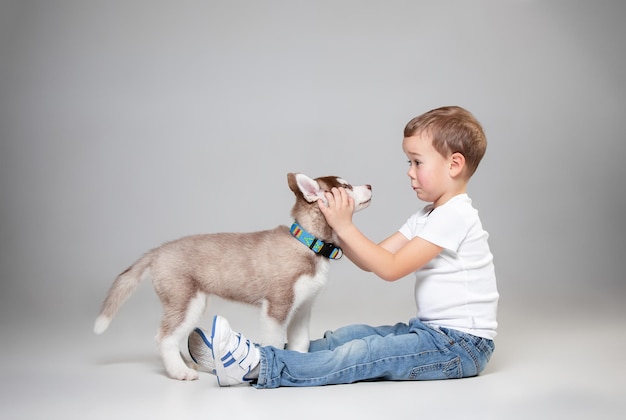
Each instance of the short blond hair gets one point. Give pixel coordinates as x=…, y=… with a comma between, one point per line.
x=452, y=129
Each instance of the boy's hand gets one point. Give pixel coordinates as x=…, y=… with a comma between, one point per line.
x=338, y=212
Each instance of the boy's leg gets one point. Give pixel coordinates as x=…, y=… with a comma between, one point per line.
x=422, y=353
x=200, y=343
x=343, y=335
x=400, y=352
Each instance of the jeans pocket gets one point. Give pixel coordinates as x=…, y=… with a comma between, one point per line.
x=443, y=369
x=486, y=347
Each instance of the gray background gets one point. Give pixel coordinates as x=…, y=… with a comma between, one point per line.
x=124, y=124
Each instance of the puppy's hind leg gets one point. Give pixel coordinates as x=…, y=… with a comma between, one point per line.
x=176, y=327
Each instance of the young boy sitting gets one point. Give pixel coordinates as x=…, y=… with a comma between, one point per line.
x=446, y=247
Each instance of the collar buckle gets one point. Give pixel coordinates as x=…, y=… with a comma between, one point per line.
x=331, y=251
x=325, y=249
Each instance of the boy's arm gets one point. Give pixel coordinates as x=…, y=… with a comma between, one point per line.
x=393, y=259
x=391, y=244
x=389, y=266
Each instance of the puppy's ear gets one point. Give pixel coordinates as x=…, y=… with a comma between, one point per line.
x=308, y=187
x=293, y=185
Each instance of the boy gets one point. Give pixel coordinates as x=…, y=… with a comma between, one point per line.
x=455, y=290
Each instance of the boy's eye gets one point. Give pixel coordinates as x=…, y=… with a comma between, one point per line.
x=411, y=162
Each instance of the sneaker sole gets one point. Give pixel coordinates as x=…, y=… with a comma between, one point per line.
x=200, y=359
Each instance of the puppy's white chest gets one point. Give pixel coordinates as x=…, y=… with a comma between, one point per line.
x=307, y=286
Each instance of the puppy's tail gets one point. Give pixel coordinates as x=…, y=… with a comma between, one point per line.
x=121, y=289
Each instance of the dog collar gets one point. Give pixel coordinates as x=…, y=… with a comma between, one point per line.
x=327, y=250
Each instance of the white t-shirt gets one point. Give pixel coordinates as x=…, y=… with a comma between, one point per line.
x=457, y=289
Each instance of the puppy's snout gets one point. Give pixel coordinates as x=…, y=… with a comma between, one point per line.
x=368, y=186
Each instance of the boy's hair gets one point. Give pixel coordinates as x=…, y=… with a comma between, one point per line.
x=452, y=129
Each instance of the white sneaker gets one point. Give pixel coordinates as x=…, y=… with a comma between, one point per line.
x=201, y=349
x=234, y=355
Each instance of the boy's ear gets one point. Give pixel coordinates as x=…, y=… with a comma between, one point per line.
x=457, y=164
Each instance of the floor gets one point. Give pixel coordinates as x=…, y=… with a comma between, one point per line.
x=555, y=363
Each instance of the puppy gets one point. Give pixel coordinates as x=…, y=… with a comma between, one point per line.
x=281, y=270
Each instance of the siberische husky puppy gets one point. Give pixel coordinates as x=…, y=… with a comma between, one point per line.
x=280, y=270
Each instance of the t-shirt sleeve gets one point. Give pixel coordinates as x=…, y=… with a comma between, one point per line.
x=406, y=230
x=446, y=227
x=414, y=224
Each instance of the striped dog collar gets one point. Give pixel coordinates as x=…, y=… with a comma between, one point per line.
x=320, y=247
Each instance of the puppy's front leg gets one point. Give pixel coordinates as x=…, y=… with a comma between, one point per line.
x=273, y=332
x=298, y=331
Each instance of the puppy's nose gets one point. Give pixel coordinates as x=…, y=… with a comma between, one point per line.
x=369, y=187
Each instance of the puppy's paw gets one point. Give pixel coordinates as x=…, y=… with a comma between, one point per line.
x=184, y=375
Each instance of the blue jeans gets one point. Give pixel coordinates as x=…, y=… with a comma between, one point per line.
x=410, y=352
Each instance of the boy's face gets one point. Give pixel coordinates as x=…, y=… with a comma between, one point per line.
x=428, y=169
